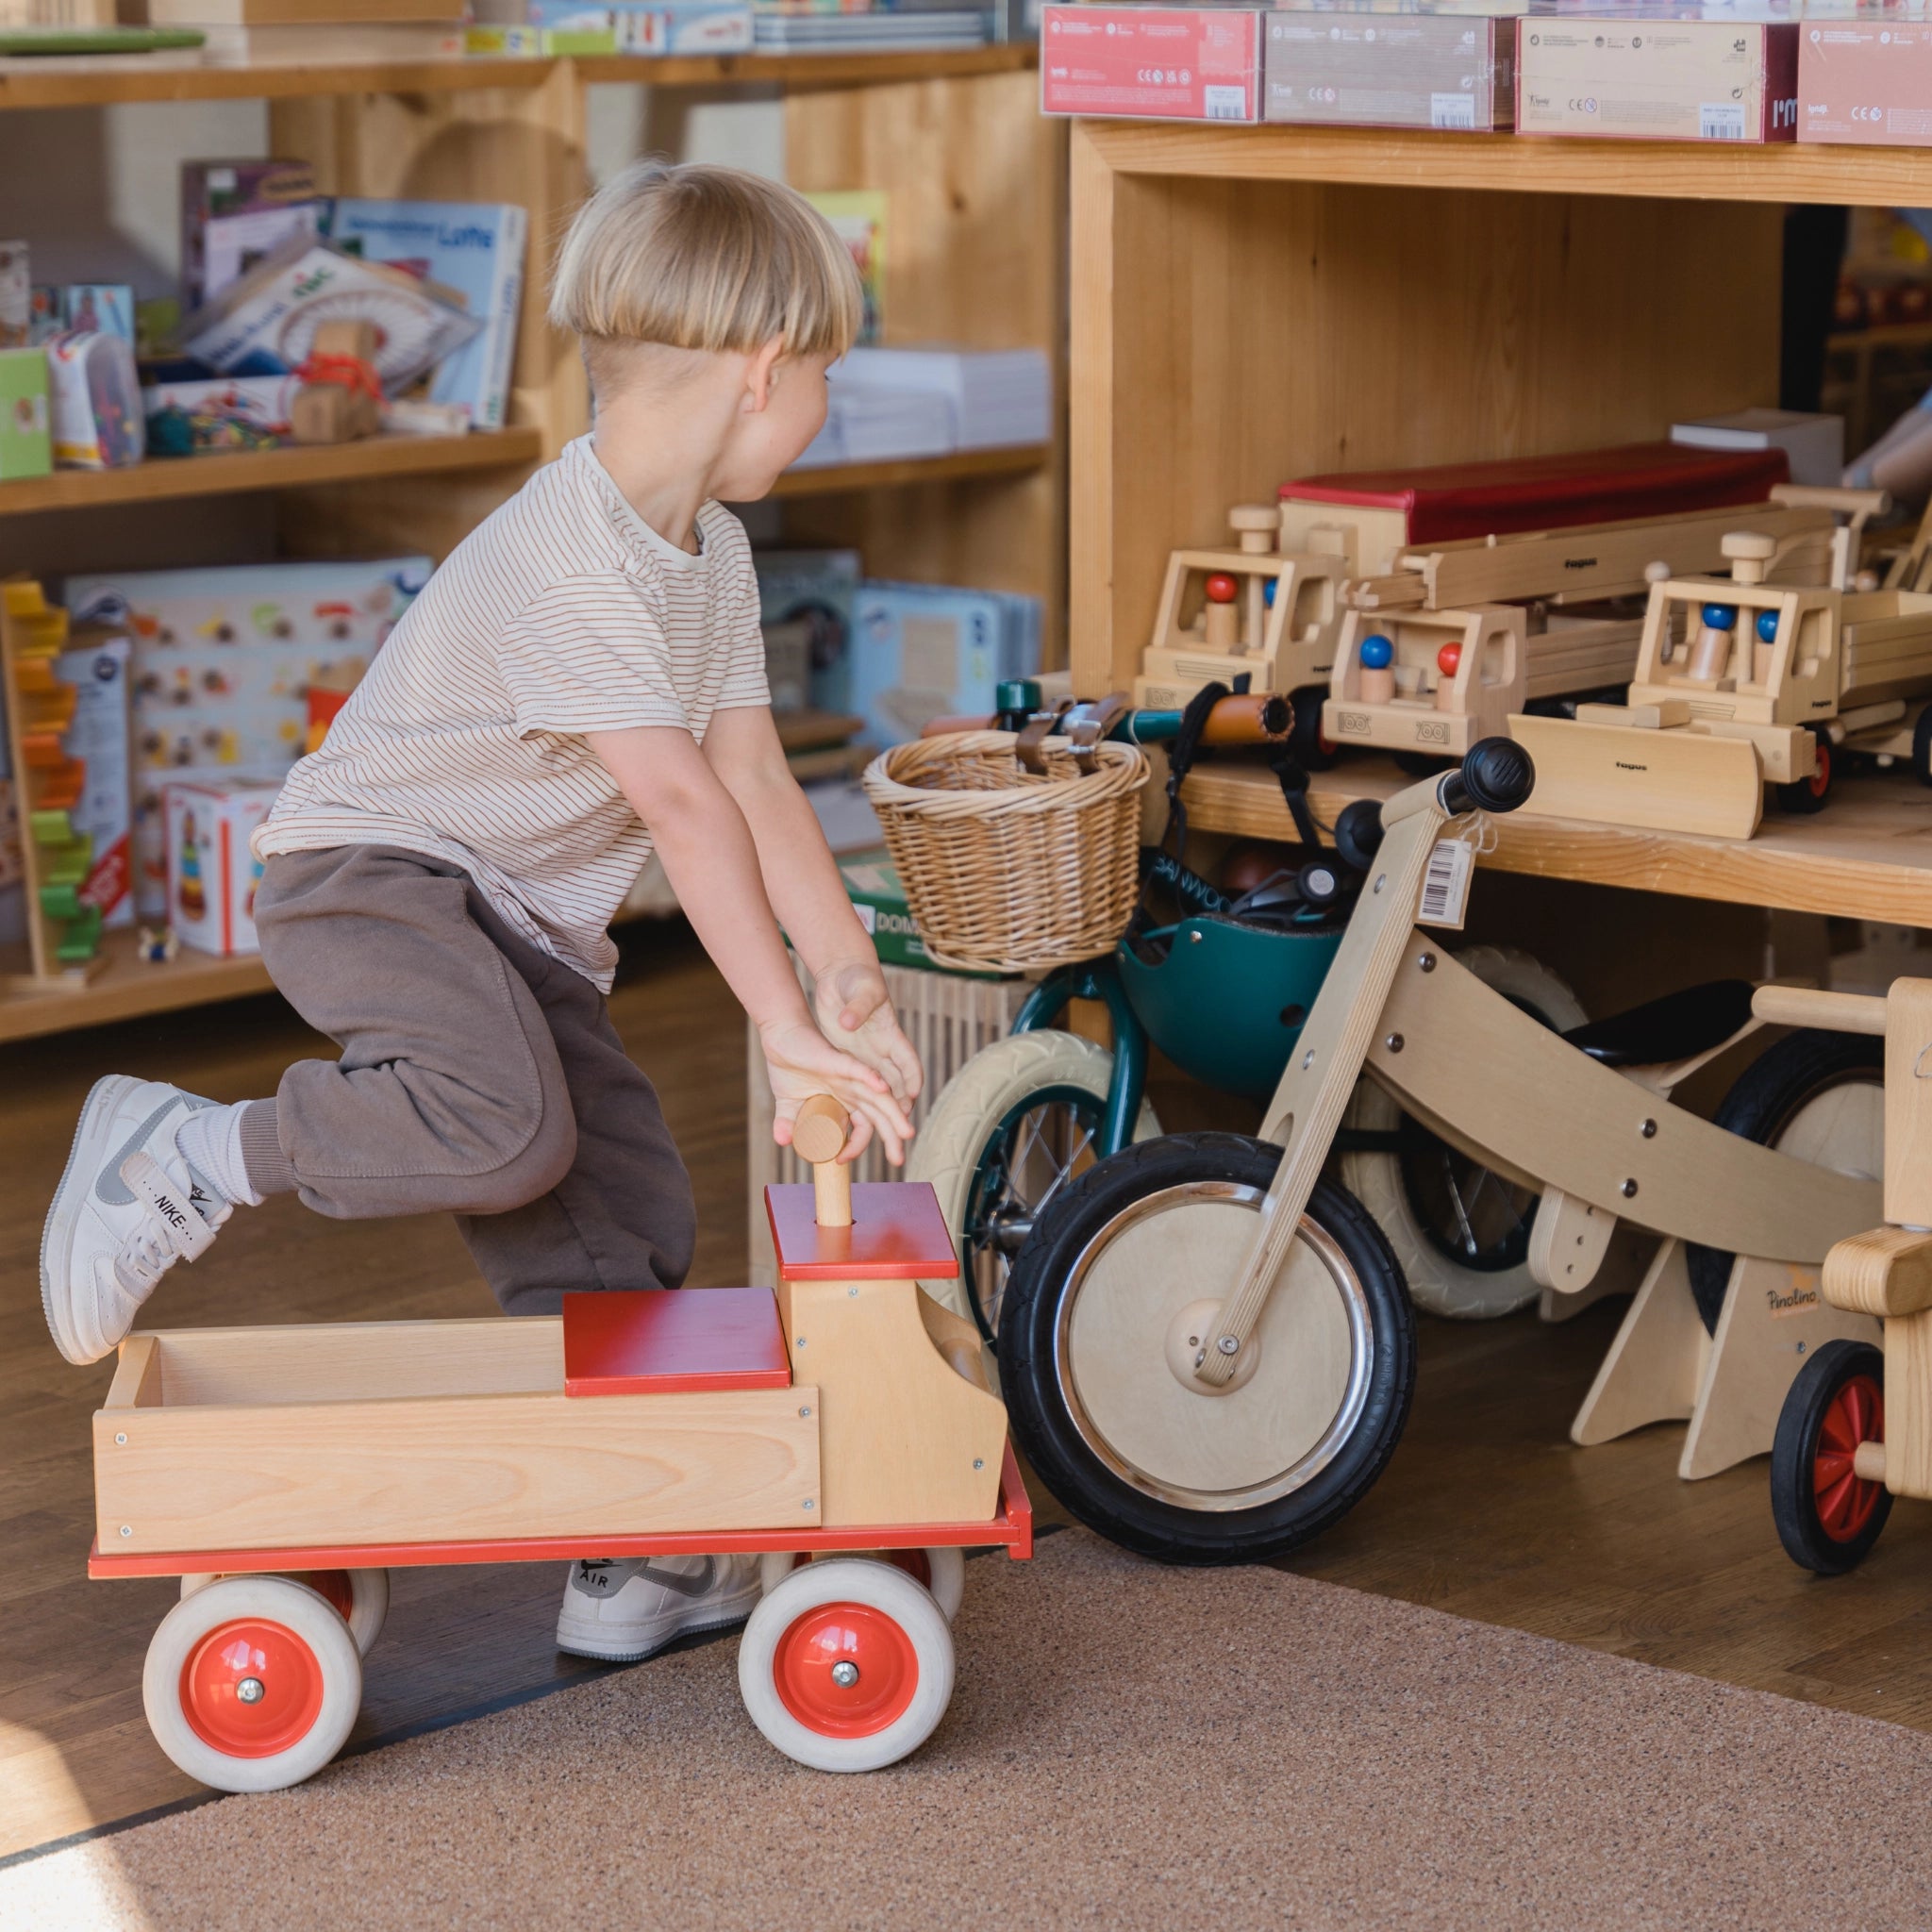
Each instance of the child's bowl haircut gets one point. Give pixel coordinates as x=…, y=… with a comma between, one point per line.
x=697, y=257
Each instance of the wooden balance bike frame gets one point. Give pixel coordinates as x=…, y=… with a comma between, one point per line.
x=1494, y=1082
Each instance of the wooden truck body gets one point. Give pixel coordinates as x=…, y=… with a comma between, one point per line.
x=1739, y=685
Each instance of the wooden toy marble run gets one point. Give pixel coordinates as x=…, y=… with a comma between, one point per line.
x=1744, y=682
x=63, y=929
x=281, y=1472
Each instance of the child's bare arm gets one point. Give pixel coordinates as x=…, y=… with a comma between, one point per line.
x=802, y=882
x=709, y=854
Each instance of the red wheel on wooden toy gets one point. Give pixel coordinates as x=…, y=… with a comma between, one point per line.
x=1843, y=1500
x=1828, y=1516
x=941, y=1570
x=252, y=1683
x=359, y=1597
x=847, y=1665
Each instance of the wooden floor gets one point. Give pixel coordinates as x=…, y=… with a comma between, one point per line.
x=1485, y=1512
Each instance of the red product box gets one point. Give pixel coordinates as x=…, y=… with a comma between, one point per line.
x=1171, y=63
x=1866, y=83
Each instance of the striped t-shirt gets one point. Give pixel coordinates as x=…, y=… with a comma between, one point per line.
x=561, y=614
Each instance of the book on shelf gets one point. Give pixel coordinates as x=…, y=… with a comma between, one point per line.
x=858, y=216
x=315, y=44
x=298, y=12
x=474, y=248
x=871, y=32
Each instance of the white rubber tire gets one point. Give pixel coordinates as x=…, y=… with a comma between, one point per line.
x=995, y=1080
x=1437, y=1284
x=270, y=1599
x=881, y=1588
x=368, y=1602
x=948, y=1567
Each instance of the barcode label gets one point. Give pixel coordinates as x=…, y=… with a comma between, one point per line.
x=1721, y=121
x=1445, y=885
x=1452, y=110
x=1224, y=103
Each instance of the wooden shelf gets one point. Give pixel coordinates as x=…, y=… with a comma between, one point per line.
x=124, y=987
x=1868, y=854
x=1387, y=157
x=107, y=80
x=270, y=469
x=832, y=479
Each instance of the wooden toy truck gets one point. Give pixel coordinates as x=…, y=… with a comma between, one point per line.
x=1442, y=650
x=1744, y=682
x=843, y=1427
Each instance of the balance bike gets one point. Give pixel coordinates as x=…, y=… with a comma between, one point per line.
x=842, y=1428
x=1206, y=1347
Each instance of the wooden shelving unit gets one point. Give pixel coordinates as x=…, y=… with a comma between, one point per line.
x=270, y=469
x=1254, y=304
x=976, y=181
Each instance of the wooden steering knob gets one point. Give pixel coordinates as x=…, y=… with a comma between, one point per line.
x=820, y=1129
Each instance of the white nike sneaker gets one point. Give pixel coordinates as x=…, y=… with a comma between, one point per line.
x=622, y=1610
x=127, y=1209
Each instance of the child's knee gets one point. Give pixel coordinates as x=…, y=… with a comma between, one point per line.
x=532, y=1171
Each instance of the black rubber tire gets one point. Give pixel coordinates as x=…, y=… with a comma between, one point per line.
x=1312, y=752
x=1808, y=795
x=1768, y=1093
x=1166, y=1531
x=1793, y=1456
x=1922, y=747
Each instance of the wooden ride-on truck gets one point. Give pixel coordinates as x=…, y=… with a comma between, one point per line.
x=1743, y=683
x=843, y=1427
x=1439, y=653
x=1856, y=1430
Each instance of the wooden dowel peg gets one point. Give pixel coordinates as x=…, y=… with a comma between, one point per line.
x=820, y=1129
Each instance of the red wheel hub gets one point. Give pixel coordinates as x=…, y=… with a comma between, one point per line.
x=1844, y=1501
x=1820, y=780
x=845, y=1669
x=251, y=1689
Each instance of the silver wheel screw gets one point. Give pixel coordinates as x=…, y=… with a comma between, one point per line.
x=251, y=1690
x=845, y=1673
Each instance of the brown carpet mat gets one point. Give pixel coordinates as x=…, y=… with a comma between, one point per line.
x=1129, y=1746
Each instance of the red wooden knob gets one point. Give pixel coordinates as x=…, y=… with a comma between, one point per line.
x=1447, y=658
x=1222, y=588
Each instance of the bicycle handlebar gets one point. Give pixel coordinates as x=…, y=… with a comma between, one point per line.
x=1497, y=775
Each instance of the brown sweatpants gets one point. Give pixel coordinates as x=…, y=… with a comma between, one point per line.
x=478, y=1075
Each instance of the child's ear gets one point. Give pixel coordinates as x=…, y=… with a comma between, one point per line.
x=761, y=375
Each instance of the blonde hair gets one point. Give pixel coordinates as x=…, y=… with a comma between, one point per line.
x=698, y=257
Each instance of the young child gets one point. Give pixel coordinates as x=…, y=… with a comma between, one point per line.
x=583, y=680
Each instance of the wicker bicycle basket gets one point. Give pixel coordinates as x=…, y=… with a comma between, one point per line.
x=1006, y=870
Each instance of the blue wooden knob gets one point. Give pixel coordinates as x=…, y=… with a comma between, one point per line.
x=1377, y=653
x=1721, y=616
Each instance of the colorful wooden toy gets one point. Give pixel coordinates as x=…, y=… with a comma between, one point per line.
x=843, y=1426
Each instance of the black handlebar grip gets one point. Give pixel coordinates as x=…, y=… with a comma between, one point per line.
x=1359, y=832
x=1497, y=775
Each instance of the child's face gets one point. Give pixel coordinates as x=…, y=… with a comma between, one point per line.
x=770, y=439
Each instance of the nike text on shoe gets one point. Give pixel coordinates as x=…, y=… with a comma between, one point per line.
x=621, y=1611
x=127, y=1208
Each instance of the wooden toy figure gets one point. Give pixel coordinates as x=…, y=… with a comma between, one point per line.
x=1379, y=675
x=842, y=1428
x=341, y=397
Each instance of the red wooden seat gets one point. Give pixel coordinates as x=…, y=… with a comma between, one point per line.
x=897, y=1233
x=672, y=1341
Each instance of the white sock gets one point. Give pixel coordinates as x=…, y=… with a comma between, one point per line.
x=209, y=1139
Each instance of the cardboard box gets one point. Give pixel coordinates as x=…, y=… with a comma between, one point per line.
x=104, y=814
x=1178, y=63
x=212, y=873
x=16, y=295
x=1378, y=70
x=221, y=189
x=105, y=308
x=1866, y=83
x=871, y=883
x=27, y=437
x=1815, y=444
x=1658, y=79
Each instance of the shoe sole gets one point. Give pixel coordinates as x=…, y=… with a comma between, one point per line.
x=619, y=1654
x=57, y=1232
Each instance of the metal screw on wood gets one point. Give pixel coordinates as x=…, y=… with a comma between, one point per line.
x=121, y=1438
x=1393, y=1042
x=127, y=1529
x=1648, y=1130
x=1629, y=1190
x=853, y=1291
x=1229, y=1344
x=1427, y=962
x=806, y=1410
x=798, y=1341
x=979, y=1462
x=807, y=1504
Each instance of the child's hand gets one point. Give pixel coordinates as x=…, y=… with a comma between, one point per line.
x=802, y=1061
x=852, y=1008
